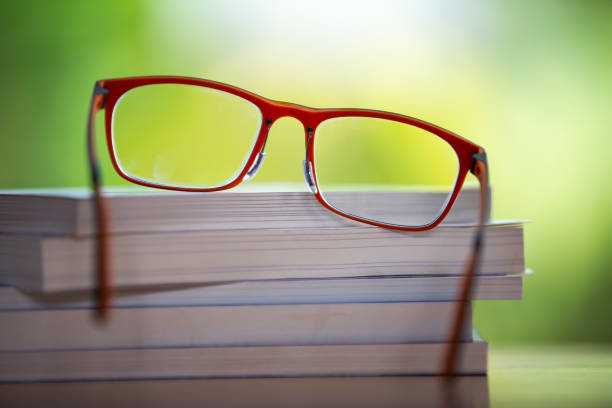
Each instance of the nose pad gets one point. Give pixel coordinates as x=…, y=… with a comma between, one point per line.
x=307, y=166
x=255, y=167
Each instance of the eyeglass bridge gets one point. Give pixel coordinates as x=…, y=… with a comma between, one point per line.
x=306, y=164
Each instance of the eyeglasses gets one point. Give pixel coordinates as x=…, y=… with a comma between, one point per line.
x=189, y=134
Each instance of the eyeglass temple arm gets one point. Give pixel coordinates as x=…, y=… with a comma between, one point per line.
x=480, y=170
x=103, y=288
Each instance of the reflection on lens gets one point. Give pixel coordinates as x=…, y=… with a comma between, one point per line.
x=383, y=170
x=183, y=135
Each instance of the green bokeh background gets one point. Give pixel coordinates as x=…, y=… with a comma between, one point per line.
x=531, y=81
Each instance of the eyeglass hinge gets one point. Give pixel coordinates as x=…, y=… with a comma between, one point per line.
x=478, y=240
x=478, y=157
x=95, y=173
x=99, y=90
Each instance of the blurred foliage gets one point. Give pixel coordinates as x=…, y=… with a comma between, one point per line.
x=531, y=81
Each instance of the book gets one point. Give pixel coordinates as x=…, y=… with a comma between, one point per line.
x=38, y=263
x=70, y=211
x=212, y=326
x=322, y=392
x=276, y=292
x=240, y=284
x=255, y=361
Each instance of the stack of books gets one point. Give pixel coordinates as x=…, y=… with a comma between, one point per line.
x=237, y=284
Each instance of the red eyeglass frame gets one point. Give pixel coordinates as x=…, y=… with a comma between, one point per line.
x=471, y=157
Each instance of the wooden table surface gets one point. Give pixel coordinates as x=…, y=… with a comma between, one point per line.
x=547, y=375
x=536, y=376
